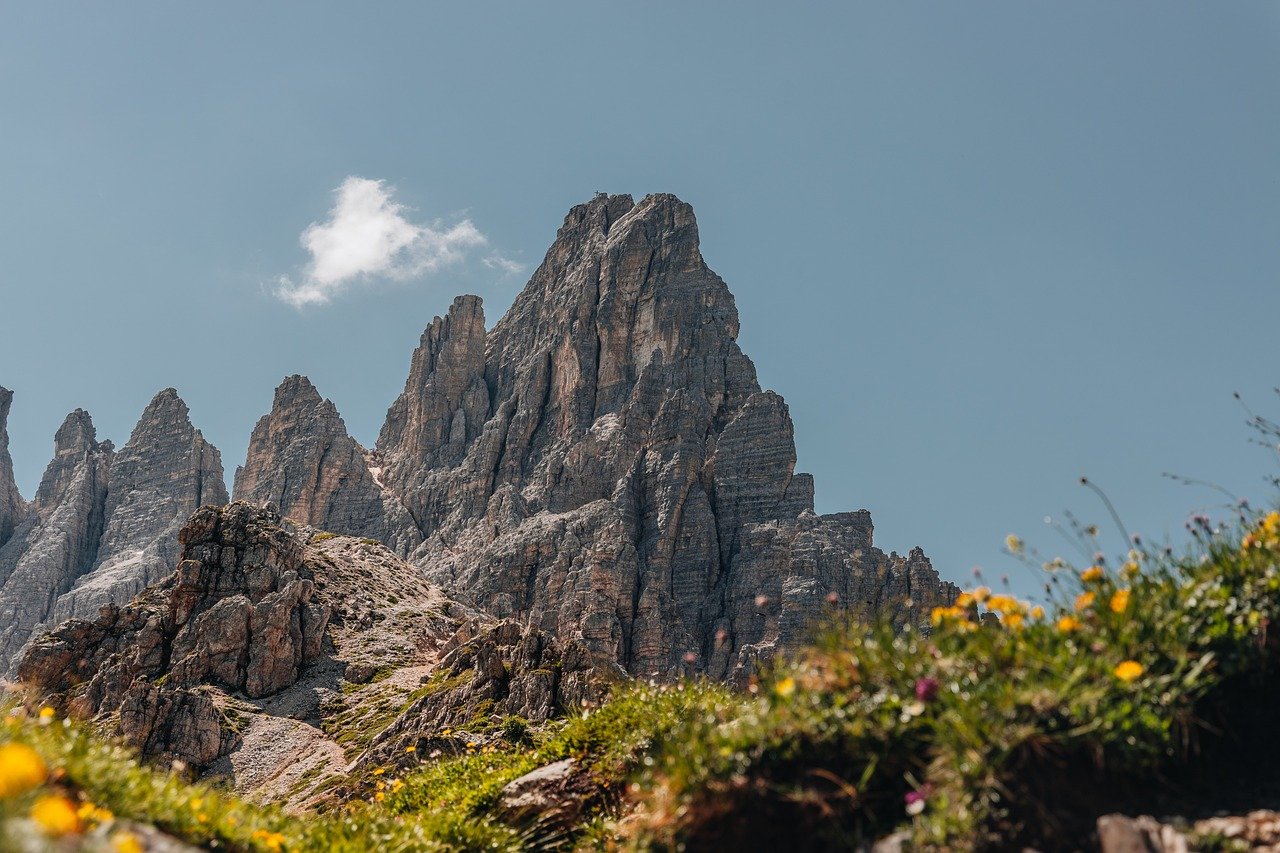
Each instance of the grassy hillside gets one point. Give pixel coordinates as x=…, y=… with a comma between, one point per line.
x=1145, y=680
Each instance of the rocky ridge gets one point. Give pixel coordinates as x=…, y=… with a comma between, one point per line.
x=103, y=524
x=12, y=509
x=602, y=464
x=285, y=658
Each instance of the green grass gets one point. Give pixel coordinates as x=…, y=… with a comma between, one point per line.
x=610, y=743
x=87, y=769
x=1008, y=715
x=995, y=730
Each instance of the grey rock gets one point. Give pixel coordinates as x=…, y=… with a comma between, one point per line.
x=104, y=523
x=496, y=671
x=302, y=461
x=12, y=507
x=555, y=794
x=631, y=486
x=160, y=477
x=240, y=612
x=601, y=466
x=181, y=725
x=58, y=539
x=1122, y=834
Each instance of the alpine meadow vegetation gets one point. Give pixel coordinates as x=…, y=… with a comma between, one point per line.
x=1138, y=680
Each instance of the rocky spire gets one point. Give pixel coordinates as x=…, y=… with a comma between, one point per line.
x=444, y=404
x=302, y=461
x=12, y=509
x=160, y=477
x=104, y=524
x=632, y=486
x=601, y=465
x=58, y=541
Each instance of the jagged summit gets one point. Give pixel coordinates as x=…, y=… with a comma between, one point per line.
x=302, y=460
x=601, y=465
x=103, y=524
x=12, y=507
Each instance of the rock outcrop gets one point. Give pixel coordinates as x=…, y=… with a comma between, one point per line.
x=12, y=509
x=607, y=468
x=496, y=671
x=58, y=539
x=104, y=523
x=601, y=466
x=239, y=613
x=302, y=461
x=159, y=478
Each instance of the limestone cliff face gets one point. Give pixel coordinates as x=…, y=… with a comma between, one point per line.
x=58, y=539
x=12, y=509
x=104, y=523
x=302, y=461
x=239, y=612
x=604, y=465
x=159, y=478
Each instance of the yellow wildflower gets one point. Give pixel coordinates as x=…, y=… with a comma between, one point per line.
x=981, y=594
x=1037, y=612
x=21, y=769
x=379, y=797
x=1013, y=543
x=1085, y=600
x=940, y=614
x=1130, y=569
x=1014, y=621
x=89, y=813
x=1271, y=525
x=1248, y=541
x=379, y=771
x=1004, y=604
x=1067, y=624
x=126, y=842
x=1120, y=601
x=1129, y=670
x=785, y=687
x=55, y=815
x=411, y=749
x=964, y=600
x=1091, y=574
x=274, y=841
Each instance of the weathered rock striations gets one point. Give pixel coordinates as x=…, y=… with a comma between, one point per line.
x=302, y=461
x=631, y=486
x=58, y=539
x=238, y=613
x=159, y=478
x=602, y=466
x=495, y=671
x=104, y=523
x=12, y=508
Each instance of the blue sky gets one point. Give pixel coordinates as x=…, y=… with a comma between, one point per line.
x=981, y=248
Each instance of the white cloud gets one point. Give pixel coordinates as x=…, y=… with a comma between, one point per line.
x=498, y=261
x=367, y=237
